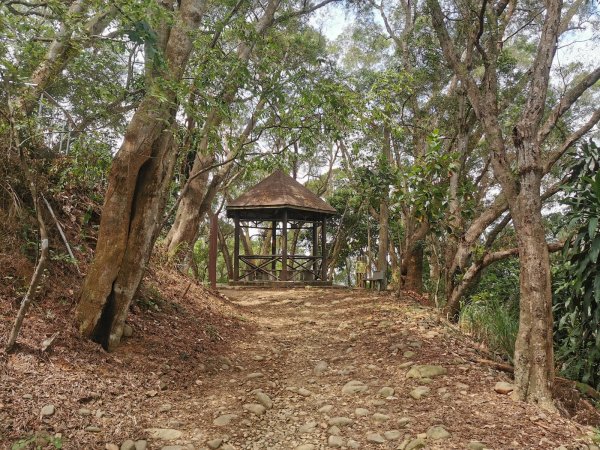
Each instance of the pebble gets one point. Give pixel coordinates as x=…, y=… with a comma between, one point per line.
x=475, y=445
x=502, y=387
x=254, y=375
x=352, y=444
x=47, y=411
x=111, y=447
x=305, y=447
x=375, y=438
x=92, y=429
x=27, y=396
x=85, y=412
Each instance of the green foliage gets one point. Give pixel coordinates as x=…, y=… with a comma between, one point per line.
x=577, y=280
x=492, y=320
x=38, y=442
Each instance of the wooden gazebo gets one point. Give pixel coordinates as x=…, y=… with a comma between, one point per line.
x=279, y=203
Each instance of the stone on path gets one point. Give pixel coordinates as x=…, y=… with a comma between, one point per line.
x=375, y=438
x=420, y=392
x=214, y=443
x=437, y=432
x=361, y=412
x=325, y=409
x=92, y=429
x=378, y=417
x=128, y=445
x=502, y=387
x=386, y=391
x=127, y=331
x=392, y=435
x=264, y=399
x=141, y=445
x=254, y=375
x=255, y=408
x=340, y=421
x=321, y=367
x=47, y=411
x=224, y=420
x=305, y=447
x=165, y=434
x=354, y=387
x=475, y=445
x=111, y=447
x=426, y=371
x=335, y=441
x=308, y=427
x=304, y=392
x=352, y=444
x=416, y=444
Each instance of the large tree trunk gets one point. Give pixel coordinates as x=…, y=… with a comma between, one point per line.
x=412, y=269
x=534, y=360
x=136, y=196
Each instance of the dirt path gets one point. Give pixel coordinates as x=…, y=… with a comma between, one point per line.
x=312, y=343
x=271, y=370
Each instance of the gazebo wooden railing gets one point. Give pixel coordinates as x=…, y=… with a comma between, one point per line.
x=306, y=266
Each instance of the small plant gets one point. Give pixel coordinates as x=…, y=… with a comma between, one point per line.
x=38, y=442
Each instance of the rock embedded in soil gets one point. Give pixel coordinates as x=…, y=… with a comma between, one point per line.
x=165, y=434
x=340, y=421
x=352, y=444
x=380, y=418
x=305, y=447
x=426, y=371
x=214, y=443
x=335, y=441
x=141, y=445
x=475, y=445
x=321, y=367
x=47, y=411
x=415, y=444
x=252, y=376
x=354, y=387
x=224, y=420
x=420, y=392
x=325, y=409
x=255, y=408
x=304, y=392
x=437, y=432
x=386, y=391
x=375, y=438
x=392, y=435
x=111, y=447
x=128, y=445
x=360, y=412
x=264, y=399
x=502, y=387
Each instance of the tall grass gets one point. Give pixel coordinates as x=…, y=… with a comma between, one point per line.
x=492, y=320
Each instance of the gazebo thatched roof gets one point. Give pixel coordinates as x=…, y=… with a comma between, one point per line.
x=279, y=191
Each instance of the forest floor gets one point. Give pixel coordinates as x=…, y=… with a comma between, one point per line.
x=270, y=369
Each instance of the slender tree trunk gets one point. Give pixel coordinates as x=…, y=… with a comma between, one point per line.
x=226, y=254
x=136, y=196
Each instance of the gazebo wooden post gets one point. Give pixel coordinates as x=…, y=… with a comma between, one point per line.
x=315, y=248
x=323, y=249
x=236, y=249
x=284, y=247
x=274, y=247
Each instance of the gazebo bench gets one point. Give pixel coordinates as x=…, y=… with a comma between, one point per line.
x=377, y=277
